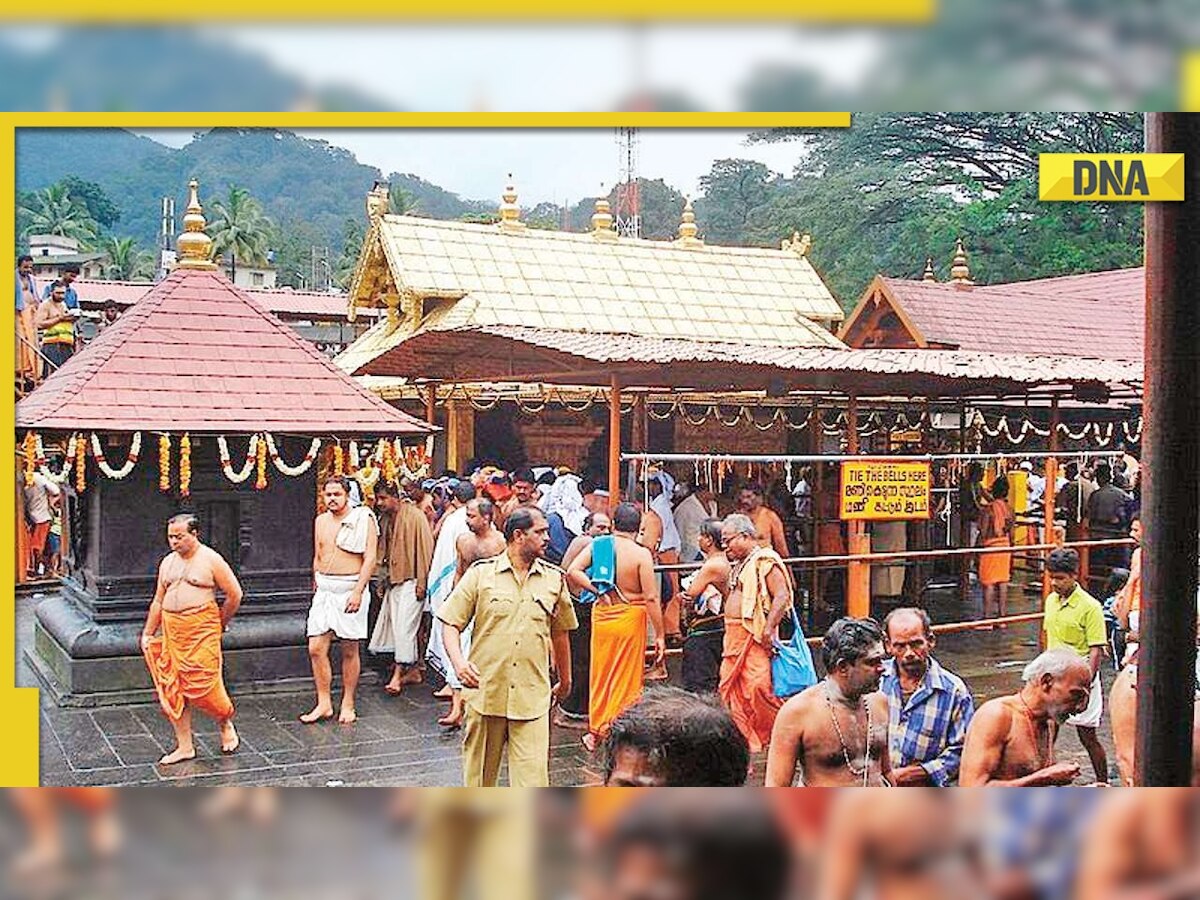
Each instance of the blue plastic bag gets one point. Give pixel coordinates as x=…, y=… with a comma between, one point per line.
x=792, y=668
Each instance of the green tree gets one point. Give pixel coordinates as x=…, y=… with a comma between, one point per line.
x=126, y=260
x=53, y=210
x=353, y=235
x=403, y=202
x=95, y=200
x=733, y=189
x=239, y=228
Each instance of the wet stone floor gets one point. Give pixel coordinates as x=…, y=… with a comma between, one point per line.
x=397, y=740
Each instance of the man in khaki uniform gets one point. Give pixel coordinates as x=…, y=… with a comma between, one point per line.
x=521, y=613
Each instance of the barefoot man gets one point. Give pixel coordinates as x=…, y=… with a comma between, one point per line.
x=619, y=574
x=407, y=554
x=837, y=729
x=346, y=540
x=185, y=658
x=1011, y=739
x=482, y=540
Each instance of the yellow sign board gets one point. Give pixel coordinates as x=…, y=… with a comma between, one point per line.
x=1108, y=177
x=878, y=490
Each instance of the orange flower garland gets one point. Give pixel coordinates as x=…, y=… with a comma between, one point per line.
x=390, y=466
x=339, y=460
x=164, y=462
x=185, y=465
x=29, y=447
x=81, y=469
x=260, y=482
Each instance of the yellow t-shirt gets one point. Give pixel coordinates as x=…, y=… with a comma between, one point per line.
x=1076, y=622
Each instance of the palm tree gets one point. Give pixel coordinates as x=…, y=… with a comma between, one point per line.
x=403, y=202
x=53, y=210
x=239, y=228
x=126, y=260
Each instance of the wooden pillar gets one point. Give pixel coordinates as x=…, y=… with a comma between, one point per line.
x=1170, y=447
x=1049, y=493
x=640, y=433
x=964, y=527
x=614, y=442
x=858, y=577
x=430, y=401
x=460, y=433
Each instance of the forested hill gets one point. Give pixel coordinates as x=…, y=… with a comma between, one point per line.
x=309, y=184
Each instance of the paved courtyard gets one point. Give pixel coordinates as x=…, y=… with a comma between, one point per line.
x=396, y=740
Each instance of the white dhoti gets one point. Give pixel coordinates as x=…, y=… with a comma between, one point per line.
x=398, y=623
x=1090, y=717
x=328, y=610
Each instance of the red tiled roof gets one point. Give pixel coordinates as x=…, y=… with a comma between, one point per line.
x=197, y=354
x=283, y=302
x=1100, y=314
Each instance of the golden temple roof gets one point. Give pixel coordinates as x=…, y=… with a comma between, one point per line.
x=436, y=275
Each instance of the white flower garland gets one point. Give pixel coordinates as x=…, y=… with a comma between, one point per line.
x=304, y=465
x=75, y=443
x=135, y=448
x=237, y=477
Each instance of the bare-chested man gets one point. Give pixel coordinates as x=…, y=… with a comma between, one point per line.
x=619, y=574
x=185, y=660
x=1011, y=739
x=836, y=730
x=704, y=594
x=1144, y=845
x=345, y=541
x=1122, y=703
x=901, y=845
x=482, y=540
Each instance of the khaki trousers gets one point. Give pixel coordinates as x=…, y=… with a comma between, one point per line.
x=484, y=839
x=484, y=742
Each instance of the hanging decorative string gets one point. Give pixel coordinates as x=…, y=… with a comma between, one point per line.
x=135, y=448
x=185, y=465
x=303, y=466
x=76, y=444
x=237, y=476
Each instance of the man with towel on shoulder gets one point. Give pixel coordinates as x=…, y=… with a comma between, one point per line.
x=443, y=572
x=346, y=541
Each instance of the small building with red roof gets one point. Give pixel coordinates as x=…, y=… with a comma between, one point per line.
x=196, y=362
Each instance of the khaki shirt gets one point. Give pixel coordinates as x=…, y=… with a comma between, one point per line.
x=510, y=640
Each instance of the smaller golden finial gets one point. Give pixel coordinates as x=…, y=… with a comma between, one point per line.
x=960, y=272
x=510, y=213
x=379, y=201
x=929, y=274
x=800, y=244
x=688, y=229
x=602, y=220
x=194, y=247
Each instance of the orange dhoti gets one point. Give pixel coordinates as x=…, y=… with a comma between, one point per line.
x=995, y=568
x=746, y=686
x=618, y=658
x=185, y=663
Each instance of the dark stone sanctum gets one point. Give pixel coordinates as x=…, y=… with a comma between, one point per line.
x=86, y=637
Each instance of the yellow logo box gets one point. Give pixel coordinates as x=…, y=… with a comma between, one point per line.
x=1109, y=177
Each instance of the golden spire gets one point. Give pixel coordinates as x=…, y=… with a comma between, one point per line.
x=510, y=213
x=929, y=274
x=688, y=230
x=602, y=220
x=960, y=272
x=194, y=247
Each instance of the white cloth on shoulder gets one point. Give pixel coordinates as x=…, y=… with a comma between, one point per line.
x=1090, y=717
x=354, y=529
x=328, y=610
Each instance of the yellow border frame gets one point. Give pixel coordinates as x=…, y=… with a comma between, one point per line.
x=19, y=706
x=146, y=11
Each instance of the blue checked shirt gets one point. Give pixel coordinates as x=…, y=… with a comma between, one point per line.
x=930, y=729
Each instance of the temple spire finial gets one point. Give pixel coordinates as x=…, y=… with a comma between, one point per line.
x=194, y=247
x=510, y=212
x=602, y=219
x=960, y=272
x=688, y=230
x=929, y=274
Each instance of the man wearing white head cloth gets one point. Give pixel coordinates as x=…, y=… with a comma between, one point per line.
x=661, y=537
